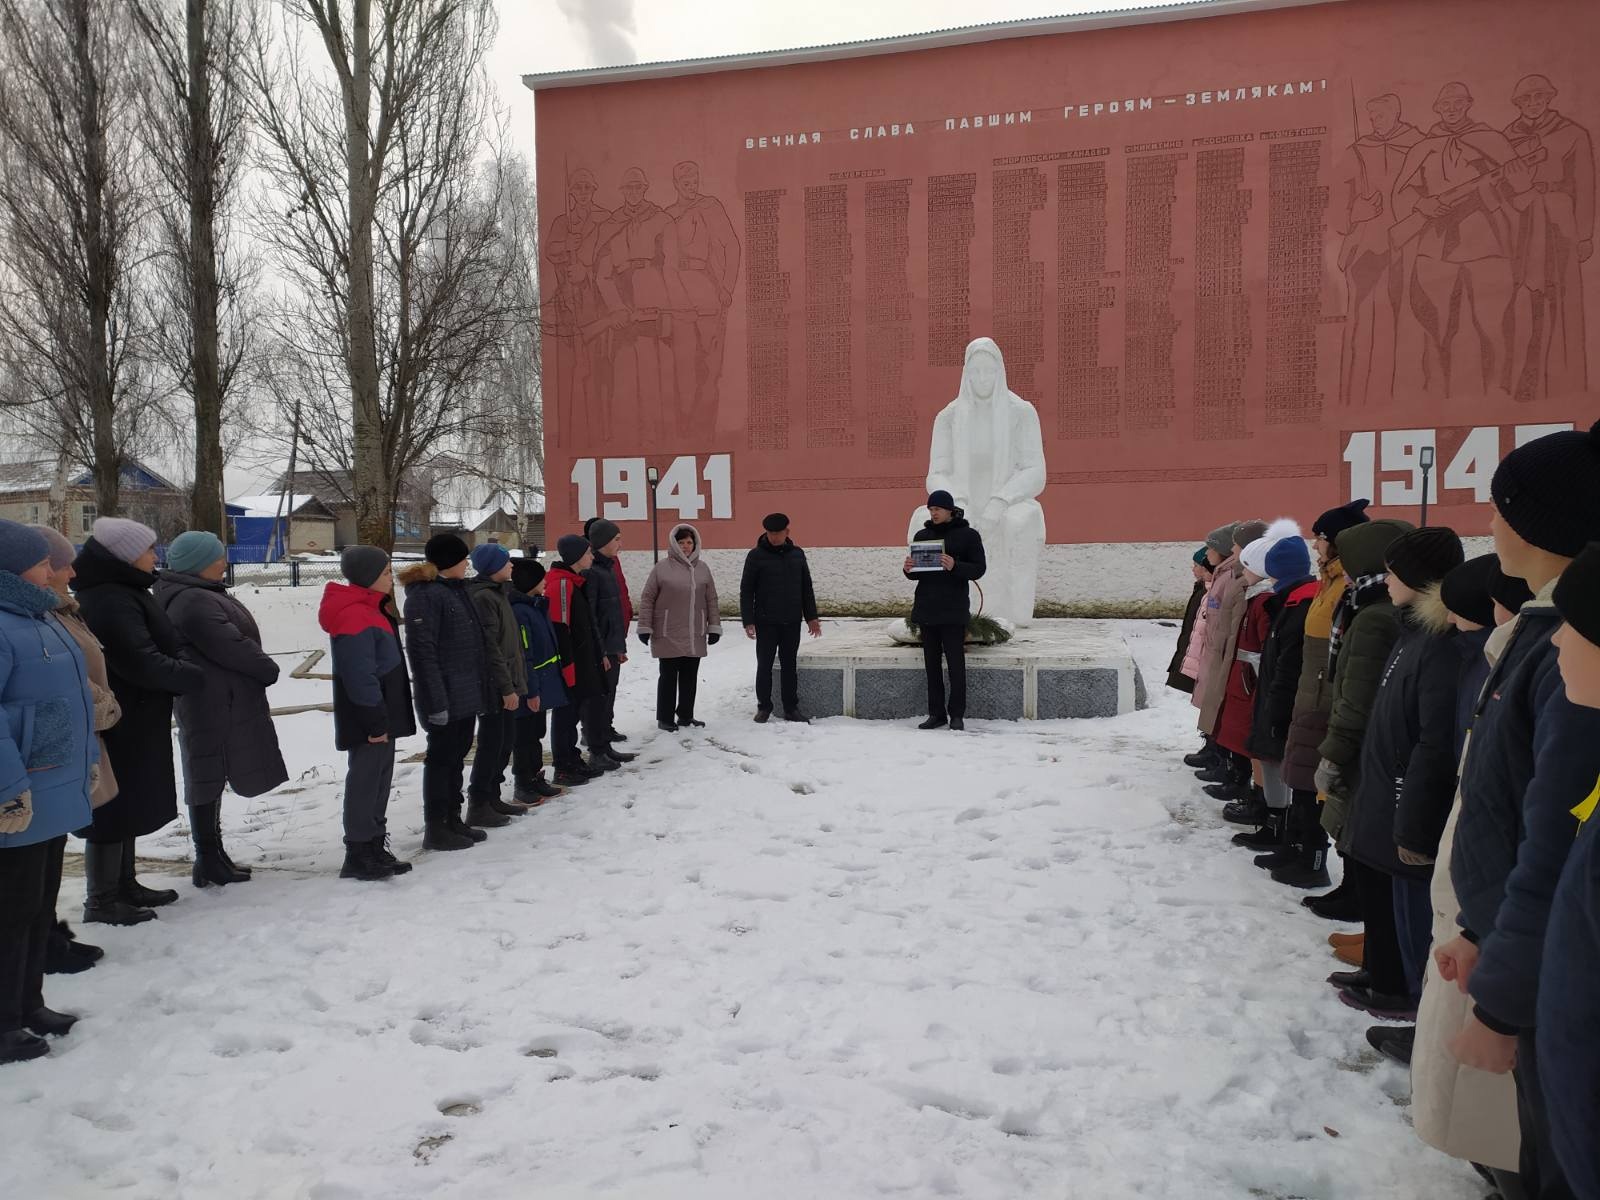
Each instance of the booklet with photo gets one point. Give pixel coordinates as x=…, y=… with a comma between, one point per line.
x=925, y=556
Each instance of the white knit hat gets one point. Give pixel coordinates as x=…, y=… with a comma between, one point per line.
x=126, y=539
x=1254, y=556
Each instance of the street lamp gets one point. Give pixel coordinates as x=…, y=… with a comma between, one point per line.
x=653, y=476
x=1425, y=460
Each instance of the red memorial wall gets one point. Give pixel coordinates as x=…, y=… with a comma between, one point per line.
x=1240, y=264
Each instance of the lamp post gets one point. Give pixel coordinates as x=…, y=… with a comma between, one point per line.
x=1425, y=461
x=653, y=477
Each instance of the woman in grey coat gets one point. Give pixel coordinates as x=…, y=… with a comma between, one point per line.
x=678, y=619
x=225, y=730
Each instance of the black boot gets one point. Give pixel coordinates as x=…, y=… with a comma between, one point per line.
x=1252, y=810
x=1203, y=757
x=103, y=904
x=439, y=835
x=18, y=1045
x=571, y=775
x=210, y=867
x=482, y=813
x=1269, y=835
x=361, y=863
x=453, y=821
x=134, y=892
x=616, y=755
x=380, y=851
x=933, y=723
x=1309, y=868
x=64, y=954
x=509, y=808
x=543, y=788
x=46, y=1022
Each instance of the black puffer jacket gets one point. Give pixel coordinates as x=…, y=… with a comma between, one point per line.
x=145, y=673
x=1176, y=679
x=605, y=601
x=446, y=645
x=1408, y=762
x=1279, y=674
x=776, y=586
x=943, y=597
x=1532, y=757
x=227, y=738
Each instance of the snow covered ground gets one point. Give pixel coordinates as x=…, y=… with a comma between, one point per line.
x=768, y=962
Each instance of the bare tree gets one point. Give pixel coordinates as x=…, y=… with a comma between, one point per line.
x=195, y=130
x=72, y=321
x=388, y=236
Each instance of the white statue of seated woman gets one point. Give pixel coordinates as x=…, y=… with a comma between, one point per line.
x=988, y=453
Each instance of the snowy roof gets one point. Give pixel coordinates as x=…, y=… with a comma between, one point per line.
x=269, y=505
x=1103, y=18
x=26, y=476
x=37, y=475
x=472, y=518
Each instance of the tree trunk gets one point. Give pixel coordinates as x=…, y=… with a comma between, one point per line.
x=372, y=485
x=205, y=501
x=101, y=274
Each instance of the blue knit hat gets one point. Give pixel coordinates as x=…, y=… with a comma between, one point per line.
x=1288, y=561
x=194, y=551
x=21, y=548
x=488, y=558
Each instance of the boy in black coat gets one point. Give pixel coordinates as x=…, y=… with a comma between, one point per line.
x=943, y=606
x=371, y=704
x=1532, y=756
x=583, y=667
x=446, y=645
x=1569, y=983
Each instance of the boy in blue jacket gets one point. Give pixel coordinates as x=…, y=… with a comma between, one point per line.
x=542, y=656
x=1569, y=983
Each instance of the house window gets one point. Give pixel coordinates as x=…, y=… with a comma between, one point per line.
x=34, y=516
x=88, y=518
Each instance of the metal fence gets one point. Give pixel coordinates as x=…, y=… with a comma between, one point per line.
x=290, y=573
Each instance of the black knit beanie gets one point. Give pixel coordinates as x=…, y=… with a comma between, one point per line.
x=1465, y=591
x=1424, y=556
x=1577, y=594
x=526, y=573
x=602, y=533
x=1331, y=522
x=1509, y=592
x=775, y=522
x=445, y=550
x=1549, y=491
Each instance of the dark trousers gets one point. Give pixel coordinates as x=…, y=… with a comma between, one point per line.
x=367, y=780
x=527, y=754
x=1542, y=1176
x=1381, y=955
x=564, y=723
x=1413, y=922
x=676, y=688
x=949, y=642
x=497, y=733
x=606, y=715
x=30, y=877
x=442, y=767
x=784, y=642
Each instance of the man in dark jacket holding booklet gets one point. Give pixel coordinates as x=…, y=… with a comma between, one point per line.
x=942, y=608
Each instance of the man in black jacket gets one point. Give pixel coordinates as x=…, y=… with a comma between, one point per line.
x=450, y=680
x=775, y=595
x=943, y=607
x=608, y=601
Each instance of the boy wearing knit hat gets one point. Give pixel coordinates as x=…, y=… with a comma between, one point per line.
x=490, y=592
x=541, y=656
x=450, y=680
x=1569, y=984
x=1393, y=828
x=1531, y=754
x=371, y=704
x=583, y=665
x=613, y=612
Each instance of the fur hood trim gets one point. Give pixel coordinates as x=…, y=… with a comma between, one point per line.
x=422, y=572
x=1429, y=610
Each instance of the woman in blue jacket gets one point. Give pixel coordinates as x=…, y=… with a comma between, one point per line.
x=47, y=767
x=542, y=656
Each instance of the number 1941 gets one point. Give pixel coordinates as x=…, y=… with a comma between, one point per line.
x=624, y=485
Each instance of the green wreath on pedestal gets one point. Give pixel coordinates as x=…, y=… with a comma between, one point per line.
x=981, y=630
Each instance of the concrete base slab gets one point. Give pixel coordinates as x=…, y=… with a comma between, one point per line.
x=1048, y=671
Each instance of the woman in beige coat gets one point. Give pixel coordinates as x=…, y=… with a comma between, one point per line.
x=678, y=620
x=64, y=954
x=1469, y=1114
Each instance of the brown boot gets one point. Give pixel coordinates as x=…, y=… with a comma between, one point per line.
x=1353, y=955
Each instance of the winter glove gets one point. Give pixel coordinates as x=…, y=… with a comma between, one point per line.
x=713, y=638
x=16, y=814
x=107, y=712
x=644, y=638
x=1327, y=777
x=439, y=718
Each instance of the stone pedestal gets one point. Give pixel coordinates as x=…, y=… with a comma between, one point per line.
x=1049, y=670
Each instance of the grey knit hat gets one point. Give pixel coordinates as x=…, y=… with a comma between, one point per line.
x=1246, y=532
x=362, y=565
x=125, y=539
x=62, y=551
x=1221, y=540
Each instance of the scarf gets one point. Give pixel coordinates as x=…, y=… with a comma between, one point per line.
x=1362, y=593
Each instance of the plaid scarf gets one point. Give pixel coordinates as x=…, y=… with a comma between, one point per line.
x=1361, y=593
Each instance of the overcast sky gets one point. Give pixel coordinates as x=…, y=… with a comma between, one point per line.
x=560, y=35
